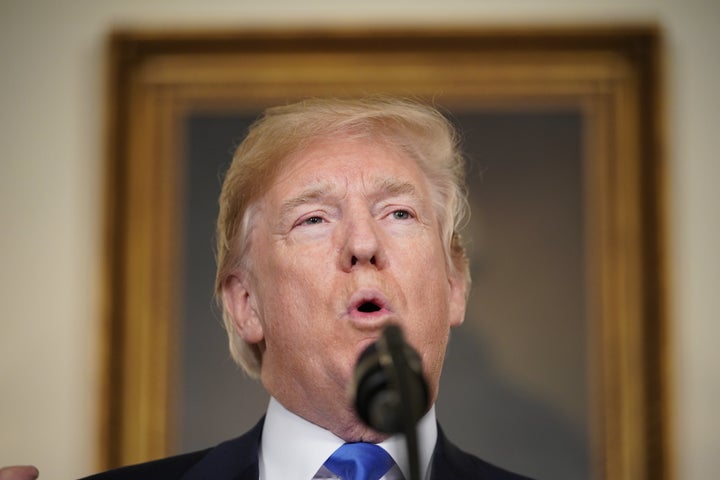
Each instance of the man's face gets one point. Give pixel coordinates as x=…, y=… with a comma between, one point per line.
x=345, y=241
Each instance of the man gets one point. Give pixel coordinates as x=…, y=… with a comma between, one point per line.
x=337, y=218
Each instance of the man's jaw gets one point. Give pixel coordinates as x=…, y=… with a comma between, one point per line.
x=352, y=429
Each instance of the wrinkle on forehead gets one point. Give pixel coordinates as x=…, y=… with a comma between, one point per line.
x=322, y=149
x=380, y=188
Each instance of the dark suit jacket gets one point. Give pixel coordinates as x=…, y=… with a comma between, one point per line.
x=237, y=459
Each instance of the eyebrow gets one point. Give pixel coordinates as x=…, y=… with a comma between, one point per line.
x=313, y=194
x=382, y=188
x=394, y=187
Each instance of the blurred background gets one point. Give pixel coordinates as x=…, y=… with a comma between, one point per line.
x=52, y=107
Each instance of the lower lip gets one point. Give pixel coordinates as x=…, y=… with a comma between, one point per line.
x=366, y=316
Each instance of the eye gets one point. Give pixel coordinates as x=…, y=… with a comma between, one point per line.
x=401, y=215
x=314, y=220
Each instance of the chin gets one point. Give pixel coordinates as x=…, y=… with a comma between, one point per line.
x=351, y=429
x=362, y=433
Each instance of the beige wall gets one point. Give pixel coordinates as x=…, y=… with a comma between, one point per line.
x=51, y=103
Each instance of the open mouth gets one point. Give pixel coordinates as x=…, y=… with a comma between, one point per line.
x=368, y=304
x=368, y=307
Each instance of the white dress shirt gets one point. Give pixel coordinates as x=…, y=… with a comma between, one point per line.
x=294, y=449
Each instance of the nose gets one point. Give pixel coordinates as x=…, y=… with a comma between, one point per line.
x=362, y=245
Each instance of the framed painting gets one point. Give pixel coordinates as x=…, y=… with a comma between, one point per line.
x=560, y=369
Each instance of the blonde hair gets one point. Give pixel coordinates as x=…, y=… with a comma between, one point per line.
x=417, y=130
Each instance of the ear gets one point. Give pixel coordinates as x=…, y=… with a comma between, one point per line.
x=239, y=302
x=458, y=296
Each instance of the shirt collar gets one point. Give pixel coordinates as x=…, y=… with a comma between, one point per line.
x=292, y=447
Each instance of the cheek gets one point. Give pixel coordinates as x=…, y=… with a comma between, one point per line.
x=429, y=297
x=289, y=274
x=291, y=300
x=426, y=279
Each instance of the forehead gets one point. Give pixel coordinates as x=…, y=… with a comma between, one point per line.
x=350, y=162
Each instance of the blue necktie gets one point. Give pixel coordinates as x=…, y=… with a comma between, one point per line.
x=359, y=461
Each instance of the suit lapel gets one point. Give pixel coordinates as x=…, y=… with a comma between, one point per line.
x=235, y=459
x=439, y=468
x=451, y=462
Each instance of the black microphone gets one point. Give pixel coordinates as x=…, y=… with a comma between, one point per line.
x=390, y=391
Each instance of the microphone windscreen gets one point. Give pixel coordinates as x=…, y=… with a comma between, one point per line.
x=389, y=389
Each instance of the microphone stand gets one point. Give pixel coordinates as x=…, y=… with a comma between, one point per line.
x=393, y=358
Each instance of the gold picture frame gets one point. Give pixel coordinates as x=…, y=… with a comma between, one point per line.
x=611, y=75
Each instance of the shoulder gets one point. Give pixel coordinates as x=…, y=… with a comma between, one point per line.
x=166, y=468
x=449, y=461
x=237, y=458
